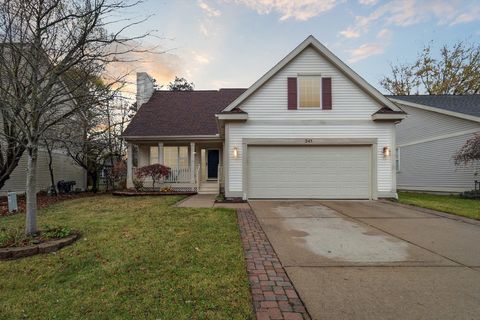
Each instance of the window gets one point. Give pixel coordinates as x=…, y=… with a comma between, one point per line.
x=397, y=159
x=175, y=157
x=153, y=155
x=309, y=91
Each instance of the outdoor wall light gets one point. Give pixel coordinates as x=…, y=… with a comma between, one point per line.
x=235, y=152
x=386, y=152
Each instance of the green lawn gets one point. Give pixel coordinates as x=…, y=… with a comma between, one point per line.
x=138, y=258
x=446, y=203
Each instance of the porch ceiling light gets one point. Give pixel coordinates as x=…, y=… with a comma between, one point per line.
x=386, y=152
x=235, y=152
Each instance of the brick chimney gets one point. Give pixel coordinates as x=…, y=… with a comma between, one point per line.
x=145, y=88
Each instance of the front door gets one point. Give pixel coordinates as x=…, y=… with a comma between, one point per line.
x=213, y=157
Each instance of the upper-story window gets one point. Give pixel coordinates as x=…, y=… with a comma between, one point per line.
x=309, y=91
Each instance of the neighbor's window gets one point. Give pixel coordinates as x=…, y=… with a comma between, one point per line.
x=397, y=159
x=175, y=157
x=309, y=91
x=153, y=155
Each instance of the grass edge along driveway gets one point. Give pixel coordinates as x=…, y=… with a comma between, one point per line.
x=446, y=203
x=138, y=258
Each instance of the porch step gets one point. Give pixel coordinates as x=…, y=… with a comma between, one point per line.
x=208, y=188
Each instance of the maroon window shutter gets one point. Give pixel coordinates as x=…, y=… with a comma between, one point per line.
x=327, y=93
x=292, y=93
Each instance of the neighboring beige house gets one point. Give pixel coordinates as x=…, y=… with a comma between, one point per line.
x=309, y=128
x=64, y=169
x=435, y=129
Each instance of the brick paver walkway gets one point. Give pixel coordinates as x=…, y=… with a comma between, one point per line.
x=274, y=296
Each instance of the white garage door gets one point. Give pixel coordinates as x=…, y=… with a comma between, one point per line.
x=322, y=172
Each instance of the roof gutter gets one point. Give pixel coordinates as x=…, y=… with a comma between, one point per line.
x=388, y=116
x=170, y=138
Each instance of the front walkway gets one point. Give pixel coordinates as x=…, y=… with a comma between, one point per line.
x=274, y=296
x=208, y=201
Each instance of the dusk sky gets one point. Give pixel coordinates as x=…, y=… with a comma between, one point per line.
x=232, y=43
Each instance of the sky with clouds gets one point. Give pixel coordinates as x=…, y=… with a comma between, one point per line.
x=232, y=43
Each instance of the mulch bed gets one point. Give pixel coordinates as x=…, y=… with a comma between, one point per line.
x=43, y=200
x=274, y=296
x=46, y=246
x=151, y=193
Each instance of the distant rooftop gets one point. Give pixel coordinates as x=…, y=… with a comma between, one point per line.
x=466, y=104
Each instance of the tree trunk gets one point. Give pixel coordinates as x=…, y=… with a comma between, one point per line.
x=31, y=192
x=94, y=176
x=50, y=168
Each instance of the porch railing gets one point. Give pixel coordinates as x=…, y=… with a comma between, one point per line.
x=180, y=175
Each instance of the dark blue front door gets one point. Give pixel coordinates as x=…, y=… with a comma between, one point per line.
x=212, y=164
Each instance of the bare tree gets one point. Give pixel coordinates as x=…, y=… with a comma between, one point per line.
x=43, y=42
x=49, y=146
x=12, y=146
x=100, y=144
x=455, y=71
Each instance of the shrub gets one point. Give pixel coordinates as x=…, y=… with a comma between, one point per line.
x=473, y=194
x=138, y=184
x=154, y=171
x=56, y=232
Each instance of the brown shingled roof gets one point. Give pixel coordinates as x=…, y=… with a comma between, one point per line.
x=181, y=113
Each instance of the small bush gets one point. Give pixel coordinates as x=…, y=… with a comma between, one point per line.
x=138, y=184
x=473, y=194
x=155, y=171
x=56, y=232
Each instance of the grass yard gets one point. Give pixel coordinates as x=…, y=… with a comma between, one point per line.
x=446, y=203
x=138, y=258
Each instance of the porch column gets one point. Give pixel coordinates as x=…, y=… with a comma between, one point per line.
x=192, y=162
x=160, y=153
x=129, y=165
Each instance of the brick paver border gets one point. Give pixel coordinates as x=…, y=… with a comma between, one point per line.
x=274, y=296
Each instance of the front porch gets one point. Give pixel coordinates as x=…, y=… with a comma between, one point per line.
x=194, y=166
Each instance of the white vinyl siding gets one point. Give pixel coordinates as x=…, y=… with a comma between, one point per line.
x=397, y=159
x=423, y=124
x=64, y=169
x=321, y=172
x=430, y=166
x=350, y=117
x=383, y=132
x=350, y=102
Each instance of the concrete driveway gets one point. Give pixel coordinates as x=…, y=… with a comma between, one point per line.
x=375, y=260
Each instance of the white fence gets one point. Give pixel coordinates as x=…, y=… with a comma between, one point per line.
x=180, y=175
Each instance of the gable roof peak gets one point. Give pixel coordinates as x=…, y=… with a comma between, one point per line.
x=327, y=54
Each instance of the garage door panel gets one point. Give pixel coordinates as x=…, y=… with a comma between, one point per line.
x=326, y=172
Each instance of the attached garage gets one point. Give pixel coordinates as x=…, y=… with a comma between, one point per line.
x=309, y=172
